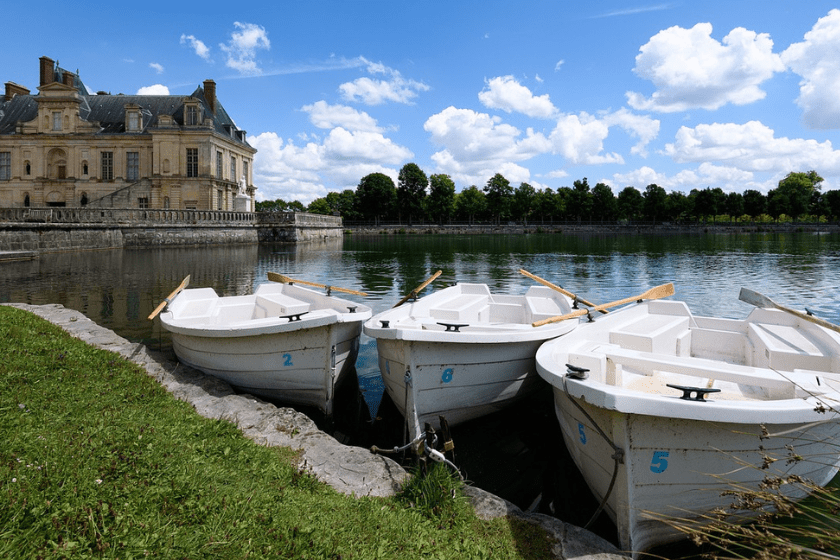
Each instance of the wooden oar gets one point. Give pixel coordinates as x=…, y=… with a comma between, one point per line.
x=759, y=300
x=169, y=299
x=662, y=291
x=559, y=289
x=274, y=277
x=413, y=293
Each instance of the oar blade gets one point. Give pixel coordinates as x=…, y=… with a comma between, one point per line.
x=756, y=299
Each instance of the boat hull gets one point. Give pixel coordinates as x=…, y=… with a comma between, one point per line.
x=300, y=367
x=676, y=468
x=460, y=382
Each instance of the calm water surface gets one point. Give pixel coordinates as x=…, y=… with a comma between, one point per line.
x=118, y=289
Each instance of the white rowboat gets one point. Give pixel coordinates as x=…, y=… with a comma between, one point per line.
x=463, y=352
x=282, y=342
x=650, y=452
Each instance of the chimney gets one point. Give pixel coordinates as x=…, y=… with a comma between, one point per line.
x=68, y=79
x=47, y=70
x=210, y=94
x=13, y=89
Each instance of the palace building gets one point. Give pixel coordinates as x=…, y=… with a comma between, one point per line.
x=67, y=146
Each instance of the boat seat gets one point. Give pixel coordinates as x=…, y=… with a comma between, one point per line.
x=277, y=305
x=663, y=334
x=462, y=308
x=505, y=313
x=785, y=348
x=540, y=308
x=777, y=385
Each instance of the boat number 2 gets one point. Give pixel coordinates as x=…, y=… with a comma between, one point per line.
x=287, y=360
x=659, y=462
x=447, y=375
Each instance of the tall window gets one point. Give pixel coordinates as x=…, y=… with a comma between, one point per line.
x=133, y=121
x=233, y=168
x=245, y=172
x=5, y=166
x=218, y=165
x=192, y=115
x=107, y=173
x=56, y=120
x=132, y=166
x=192, y=162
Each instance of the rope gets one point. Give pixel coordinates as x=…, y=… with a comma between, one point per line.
x=618, y=456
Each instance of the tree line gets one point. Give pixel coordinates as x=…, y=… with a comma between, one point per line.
x=418, y=198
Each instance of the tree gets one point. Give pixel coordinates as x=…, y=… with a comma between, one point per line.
x=604, y=202
x=630, y=203
x=734, y=205
x=832, y=202
x=319, y=206
x=546, y=204
x=798, y=188
x=499, y=196
x=679, y=206
x=655, y=202
x=523, y=201
x=297, y=206
x=278, y=205
x=469, y=202
x=411, y=190
x=708, y=202
x=376, y=196
x=755, y=203
x=581, y=200
x=440, y=204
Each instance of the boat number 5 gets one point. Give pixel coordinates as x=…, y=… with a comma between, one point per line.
x=287, y=360
x=582, y=433
x=659, y=462
x=447, y=375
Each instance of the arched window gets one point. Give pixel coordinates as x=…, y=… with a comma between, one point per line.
x=84, y=199
x=26, y=200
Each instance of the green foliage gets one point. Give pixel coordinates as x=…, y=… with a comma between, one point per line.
x=440, y=204
x=499, y=196
x=411, y=190
x=98, y=460
x=376, y=196
x=434, y=491
x=470, y=203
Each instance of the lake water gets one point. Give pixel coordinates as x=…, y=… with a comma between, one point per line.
x=512, y=454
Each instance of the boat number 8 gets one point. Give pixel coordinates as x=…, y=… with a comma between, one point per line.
x=659, y=462
x=447, y=375
x=287, y=360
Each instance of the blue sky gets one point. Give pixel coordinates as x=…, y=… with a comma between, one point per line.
x=732, y=94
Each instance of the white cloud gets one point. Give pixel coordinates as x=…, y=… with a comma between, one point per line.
x=157, y=89
x=690, y=69
x=752, y=147
x=198, y=46
x=559, y=64
x=642, y=127
x=580, y=139
x=729, y=179
x=291, y=172
x=477, y=146
x=817, y=60
x=156, y=67
x=509, y=95
x=369, y=91
x=324, y=115
x=242, y=48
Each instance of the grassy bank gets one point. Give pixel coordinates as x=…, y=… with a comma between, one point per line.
x=98, y=460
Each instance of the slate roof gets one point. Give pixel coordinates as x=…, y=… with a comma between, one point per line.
x=109, y=111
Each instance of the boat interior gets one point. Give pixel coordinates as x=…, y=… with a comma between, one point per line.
x=474, y=306
x=767, y=356
x=202, y=306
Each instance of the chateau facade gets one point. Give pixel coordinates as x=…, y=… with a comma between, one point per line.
x=67, y=146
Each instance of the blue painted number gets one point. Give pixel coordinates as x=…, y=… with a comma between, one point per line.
x=582, y=433
x=659, y=462
x=287, y=360
x=447, y=375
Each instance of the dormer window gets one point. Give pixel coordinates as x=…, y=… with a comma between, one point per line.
x=192, y=115
x=133, y=122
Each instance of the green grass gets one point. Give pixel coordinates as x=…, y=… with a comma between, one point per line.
x=99, y=461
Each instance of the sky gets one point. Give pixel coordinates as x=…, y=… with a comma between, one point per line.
x=693, y=94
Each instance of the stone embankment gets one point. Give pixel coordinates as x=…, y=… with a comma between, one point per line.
x=350, y=470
